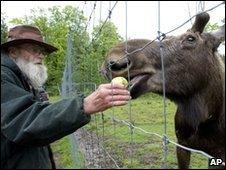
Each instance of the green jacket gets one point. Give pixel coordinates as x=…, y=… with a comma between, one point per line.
x=29, y=125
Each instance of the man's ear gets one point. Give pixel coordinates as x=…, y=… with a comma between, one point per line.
x=13, y=52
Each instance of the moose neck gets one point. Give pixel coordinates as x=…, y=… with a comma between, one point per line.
x=205, y=105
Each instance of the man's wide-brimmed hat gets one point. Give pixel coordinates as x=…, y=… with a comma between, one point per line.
x=26, y=34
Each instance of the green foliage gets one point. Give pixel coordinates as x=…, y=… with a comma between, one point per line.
x=211, y=27
x=104, y=37
x=62, y=147
x=3, y=29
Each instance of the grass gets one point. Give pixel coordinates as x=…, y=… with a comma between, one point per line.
x=147, y=149
x=136, y=149
x=62, y=153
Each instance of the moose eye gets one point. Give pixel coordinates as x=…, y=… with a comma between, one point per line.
x=189, y=42
x=190, y=39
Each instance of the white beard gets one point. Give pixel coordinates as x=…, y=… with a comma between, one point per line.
x=37, y=73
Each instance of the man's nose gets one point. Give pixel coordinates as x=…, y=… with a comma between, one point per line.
x=40, y=55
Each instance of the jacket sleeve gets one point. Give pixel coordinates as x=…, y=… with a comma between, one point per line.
x=27, y=121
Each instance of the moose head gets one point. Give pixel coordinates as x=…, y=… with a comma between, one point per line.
x=187, y=60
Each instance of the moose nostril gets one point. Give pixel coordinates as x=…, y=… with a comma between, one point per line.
x=119, y=65
x=110, y=63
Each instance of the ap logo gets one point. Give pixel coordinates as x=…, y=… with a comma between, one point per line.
x=215, y=162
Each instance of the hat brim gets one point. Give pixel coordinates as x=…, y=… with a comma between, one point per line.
x=48, y=48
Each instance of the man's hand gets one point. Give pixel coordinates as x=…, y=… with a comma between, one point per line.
x=106, y=96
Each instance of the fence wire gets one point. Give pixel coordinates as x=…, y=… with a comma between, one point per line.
x=132, y=127
x=161, y=36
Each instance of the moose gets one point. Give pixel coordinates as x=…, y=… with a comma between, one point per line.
x=194, y=80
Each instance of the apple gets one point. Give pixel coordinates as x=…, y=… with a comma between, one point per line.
x=120, y=80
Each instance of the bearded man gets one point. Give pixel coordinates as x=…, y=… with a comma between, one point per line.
x=29, y=122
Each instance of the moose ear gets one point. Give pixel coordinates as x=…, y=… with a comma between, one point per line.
x=200, y=22
x=220, y=33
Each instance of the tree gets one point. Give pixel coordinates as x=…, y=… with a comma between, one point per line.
x=4, y=29
x=212, y=27
x=105, y=36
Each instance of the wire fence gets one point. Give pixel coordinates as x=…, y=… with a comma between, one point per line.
x=99, y=140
